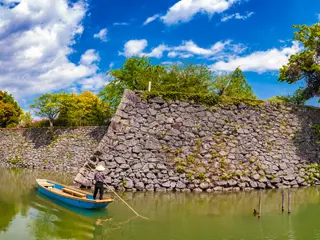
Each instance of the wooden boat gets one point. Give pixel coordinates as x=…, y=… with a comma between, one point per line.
x=70, y=195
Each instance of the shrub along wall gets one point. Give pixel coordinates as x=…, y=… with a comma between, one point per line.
x=59, y=148
x=153, y=144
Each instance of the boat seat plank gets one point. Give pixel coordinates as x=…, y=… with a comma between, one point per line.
x=47, y=184
x=105, y=200
x=74, y=193
x=61, y=192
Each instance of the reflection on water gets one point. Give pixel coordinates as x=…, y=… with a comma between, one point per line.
x=26, y=214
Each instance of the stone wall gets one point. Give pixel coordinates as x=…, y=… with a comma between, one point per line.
x=58, y=149
x=158, y=145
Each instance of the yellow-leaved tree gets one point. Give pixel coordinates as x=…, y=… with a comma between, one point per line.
x=83, y=109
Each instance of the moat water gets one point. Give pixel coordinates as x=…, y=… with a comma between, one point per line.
x=24, y=214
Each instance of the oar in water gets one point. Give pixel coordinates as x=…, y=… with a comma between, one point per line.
x=138, y=215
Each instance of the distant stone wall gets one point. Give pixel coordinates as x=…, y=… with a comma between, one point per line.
x=58, y=149
x=158, y=145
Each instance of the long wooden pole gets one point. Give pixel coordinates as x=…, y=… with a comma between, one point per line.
x=125, y=202
x=289, y=207
x=260, y=195
x=149, y=86
x=282, y=205
x=138, y=215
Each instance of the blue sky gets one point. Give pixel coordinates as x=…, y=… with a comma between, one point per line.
x=54, y=45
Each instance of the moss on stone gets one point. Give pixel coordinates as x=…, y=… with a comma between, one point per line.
x=124, y=183
x=15, y=160
x=180, y=169
x=200, y=176
x=190, y=176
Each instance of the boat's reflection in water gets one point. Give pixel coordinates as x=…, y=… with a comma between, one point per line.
x=91, y=213
x=54, y=219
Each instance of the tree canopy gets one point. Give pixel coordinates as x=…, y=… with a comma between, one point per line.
x=10, y=110
x=297, y=98
x=233, y=85
x=48, y=106
x=26, y=120
x=67, y=109
x=136, y=73
x=305, y=65
x=83, y=109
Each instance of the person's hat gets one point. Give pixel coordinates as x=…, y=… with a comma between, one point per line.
x=100, y=168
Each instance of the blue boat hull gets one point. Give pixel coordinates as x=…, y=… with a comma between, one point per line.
x=70, y=201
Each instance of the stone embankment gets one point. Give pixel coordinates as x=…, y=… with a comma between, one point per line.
x=155, y=145
x=64, y=149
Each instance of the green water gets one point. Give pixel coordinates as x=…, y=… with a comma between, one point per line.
x=26, y=215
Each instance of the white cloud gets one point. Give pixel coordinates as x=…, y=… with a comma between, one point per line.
x=238, y=48
x=94, y=83
x=174, y=54
x=184, y=10
x=36, y=38
x=111, y=65
x=151, y=19
x=102, y=35
x=158, y=51
x=236, y=16
x=79, y=31
x=227, y=56
x=121, y=24
x=89, y=57
x=134, y=47
x=186, y=50
x=260, y=61
x=171, y=63
x=192, y=48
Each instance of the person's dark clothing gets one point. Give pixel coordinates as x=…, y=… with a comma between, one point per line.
x=98, y=187
x=99, y=179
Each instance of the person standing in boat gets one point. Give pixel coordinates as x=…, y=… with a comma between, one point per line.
x=99, y=178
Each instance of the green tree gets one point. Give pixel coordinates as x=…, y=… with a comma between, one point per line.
x=276, y=99
x=297, y=98
x=26, y=120
x=305, y=65
x=10, y=110
x=136, y=73
x=238, y=86
x=112, y=93
x=83, y=109
x=188, y=78
x=220, y=84
x=48, y=106
x=232, y=85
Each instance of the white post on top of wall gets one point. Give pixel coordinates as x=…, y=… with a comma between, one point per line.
x=149, y=87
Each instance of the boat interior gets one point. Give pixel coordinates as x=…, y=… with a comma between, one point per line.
x=67, y=191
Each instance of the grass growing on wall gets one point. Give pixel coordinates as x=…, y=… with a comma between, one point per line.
x=15, y=160
x=204, y=99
